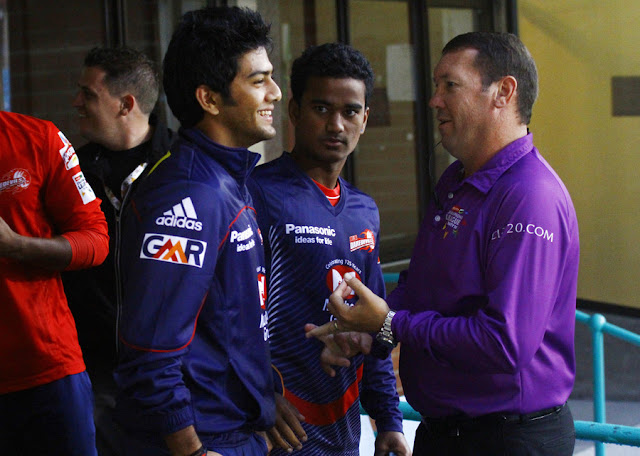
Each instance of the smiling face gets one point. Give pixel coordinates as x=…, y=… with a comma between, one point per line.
x=246, y=117
x=98, y=110
x=329, y=120
x=463, y=108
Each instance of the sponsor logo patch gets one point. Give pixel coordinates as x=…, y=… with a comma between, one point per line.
x=15, y=181
x=453, y=221
x=173, y=249
x=239, y=238
x=181, y=215
x=366, y=242
x=85, y=190
x=68, y=153
x=309, y=234
x=335, y=276
x=309, y=229
x=262, y=290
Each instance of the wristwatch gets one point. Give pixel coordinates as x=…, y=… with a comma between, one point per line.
x=385, y=336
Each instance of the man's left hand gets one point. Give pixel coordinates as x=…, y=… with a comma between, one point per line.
x=366, y=315
x=339, y=347
x=392, y=441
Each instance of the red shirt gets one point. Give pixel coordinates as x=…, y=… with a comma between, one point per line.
x=332, y=194
x=43, y=194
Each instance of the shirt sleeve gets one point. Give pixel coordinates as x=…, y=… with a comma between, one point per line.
x=167, y=273
x=378, y=394
x=72, y=205
x=523, y=274
x=397, y=296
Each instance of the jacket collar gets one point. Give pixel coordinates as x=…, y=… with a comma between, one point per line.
x=238, y=161
x=94, y=162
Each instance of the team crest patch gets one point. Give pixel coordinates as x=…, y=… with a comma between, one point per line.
x=68, y=153
x=366, y=242
x=15, y=181
x=454, y=220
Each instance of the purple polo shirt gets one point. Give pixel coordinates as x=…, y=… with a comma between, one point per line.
x=486, y=311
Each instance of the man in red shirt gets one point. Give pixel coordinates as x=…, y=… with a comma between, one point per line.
x=50, y=220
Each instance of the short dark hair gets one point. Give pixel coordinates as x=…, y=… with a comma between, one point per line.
x=333, y=60
x=500, y=55
x=205, y=49
x=127, y=70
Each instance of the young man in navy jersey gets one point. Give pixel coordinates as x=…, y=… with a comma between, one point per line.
x=194, y=369
x=317, y=228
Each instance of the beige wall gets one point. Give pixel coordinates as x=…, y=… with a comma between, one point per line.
x=579, y=45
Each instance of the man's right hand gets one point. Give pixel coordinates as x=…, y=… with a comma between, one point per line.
x=287, y=433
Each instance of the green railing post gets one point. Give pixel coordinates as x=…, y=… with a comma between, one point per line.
x=596, y=323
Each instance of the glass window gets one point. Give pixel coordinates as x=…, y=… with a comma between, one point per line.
x=301, y=24
x=385, y=160
x=445, y=24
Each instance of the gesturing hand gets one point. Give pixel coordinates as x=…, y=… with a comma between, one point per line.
x=367, y=315
x=339, y=347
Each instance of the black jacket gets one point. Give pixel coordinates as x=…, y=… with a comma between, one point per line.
x=92, y=293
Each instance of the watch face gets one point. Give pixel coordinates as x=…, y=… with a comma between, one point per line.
x=385, y=339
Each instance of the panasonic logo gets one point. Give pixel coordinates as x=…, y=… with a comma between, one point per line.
x=182, y=215
x=308, y=229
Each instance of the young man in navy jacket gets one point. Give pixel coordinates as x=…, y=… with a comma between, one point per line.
x=194, y=368
x=317, y=228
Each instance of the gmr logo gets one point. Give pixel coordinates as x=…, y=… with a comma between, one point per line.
x=173, y=249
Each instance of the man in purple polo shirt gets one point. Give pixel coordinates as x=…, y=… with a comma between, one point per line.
x=486, y=311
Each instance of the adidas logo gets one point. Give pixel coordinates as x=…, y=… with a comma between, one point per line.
x=182, y=215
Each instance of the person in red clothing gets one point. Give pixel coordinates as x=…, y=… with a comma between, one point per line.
x=50, y=220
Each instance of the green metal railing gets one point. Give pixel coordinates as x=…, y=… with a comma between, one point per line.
x=598, y=430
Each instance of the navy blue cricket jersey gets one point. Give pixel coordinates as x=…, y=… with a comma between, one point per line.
x=310, y=245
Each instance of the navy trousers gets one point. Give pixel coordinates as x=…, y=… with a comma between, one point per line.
x=52, y=419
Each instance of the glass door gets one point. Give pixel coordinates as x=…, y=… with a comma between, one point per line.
x=397, y=161
x=384, y=163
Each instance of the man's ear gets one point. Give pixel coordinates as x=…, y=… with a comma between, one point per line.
x=505, y=94
x=127, y=102
x=208, y=100
x=366, y=117
x=294, y=111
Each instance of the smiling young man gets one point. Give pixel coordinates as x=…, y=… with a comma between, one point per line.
x=318, y=228
x=194, y=367
x=485, y=313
